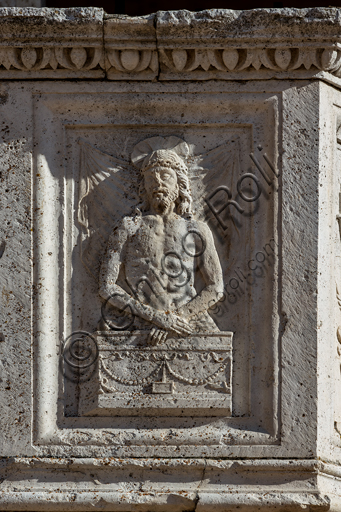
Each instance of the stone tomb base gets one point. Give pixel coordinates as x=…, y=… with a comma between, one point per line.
x=189, y=376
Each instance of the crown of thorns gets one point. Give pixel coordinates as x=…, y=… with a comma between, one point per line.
x=164, y=158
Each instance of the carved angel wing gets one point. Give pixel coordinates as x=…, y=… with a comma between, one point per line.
x=108, y=191
x=211, y=171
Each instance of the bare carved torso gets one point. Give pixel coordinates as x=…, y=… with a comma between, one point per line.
x=153, y=260
x=157, y=260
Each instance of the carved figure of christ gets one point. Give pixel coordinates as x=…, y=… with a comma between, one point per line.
x=158, y=254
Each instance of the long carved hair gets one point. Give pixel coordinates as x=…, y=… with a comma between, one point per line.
x=168, y=159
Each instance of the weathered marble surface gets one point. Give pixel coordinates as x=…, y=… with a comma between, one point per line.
x=237, y=178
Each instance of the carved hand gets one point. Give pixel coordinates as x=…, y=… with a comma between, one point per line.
x=157, y=336
x=172, y=322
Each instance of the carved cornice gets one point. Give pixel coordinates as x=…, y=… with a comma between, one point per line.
x=131, y=64
x=178, y=45
x=118, y=483
x=51, y=43
x=131, y=48
x=31, y=59
x=248, y=63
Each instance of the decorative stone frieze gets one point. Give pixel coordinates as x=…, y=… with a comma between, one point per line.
x=170, y=261
x=51, y=43
x=191, y=47
x=70, y=44
x=131, y=48
x=248, y=63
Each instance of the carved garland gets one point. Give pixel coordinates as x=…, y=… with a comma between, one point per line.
x=164, y=363
x=130, y=382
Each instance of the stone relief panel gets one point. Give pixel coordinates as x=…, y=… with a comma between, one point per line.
x=162, y=266
x=167, y=315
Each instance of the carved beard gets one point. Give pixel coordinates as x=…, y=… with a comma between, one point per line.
x=162, y=198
